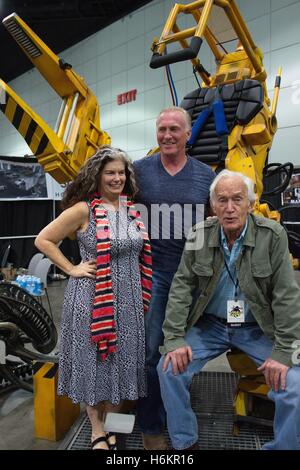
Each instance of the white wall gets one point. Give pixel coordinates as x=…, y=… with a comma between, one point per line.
x=116, y=60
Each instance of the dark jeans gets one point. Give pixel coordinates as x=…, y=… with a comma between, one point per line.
x=150, y=410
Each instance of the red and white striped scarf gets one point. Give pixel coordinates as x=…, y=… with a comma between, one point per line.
x=103, y=326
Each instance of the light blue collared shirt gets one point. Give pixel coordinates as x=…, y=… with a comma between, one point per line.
x=225, y=288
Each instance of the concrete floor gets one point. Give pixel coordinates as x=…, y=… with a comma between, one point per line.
x=16, y=407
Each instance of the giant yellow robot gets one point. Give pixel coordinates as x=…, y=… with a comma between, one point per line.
x=233, y=119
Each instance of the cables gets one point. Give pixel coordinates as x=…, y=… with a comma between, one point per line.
x=171, y=84
x=196, y=77
x=276, y=168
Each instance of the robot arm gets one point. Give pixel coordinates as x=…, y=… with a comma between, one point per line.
x=77, y=133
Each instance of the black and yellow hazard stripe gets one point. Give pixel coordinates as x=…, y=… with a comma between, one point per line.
x=47, y=370
x=33, y=134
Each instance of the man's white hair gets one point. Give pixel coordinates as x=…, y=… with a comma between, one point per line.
x=232, y=174
x=185, y=114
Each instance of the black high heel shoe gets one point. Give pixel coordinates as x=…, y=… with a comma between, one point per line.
x=97, y=441
x=110, y=436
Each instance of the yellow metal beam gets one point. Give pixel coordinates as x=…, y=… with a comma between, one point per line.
x=276, y=91
x=204, y=18
x=63, y=81
x=53, y=414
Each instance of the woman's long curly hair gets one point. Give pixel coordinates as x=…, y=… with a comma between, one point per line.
x=87, y=180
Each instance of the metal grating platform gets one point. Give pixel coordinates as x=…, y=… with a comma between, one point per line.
x=212, y=399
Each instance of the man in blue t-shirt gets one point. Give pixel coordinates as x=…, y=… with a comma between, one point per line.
x=174, y=193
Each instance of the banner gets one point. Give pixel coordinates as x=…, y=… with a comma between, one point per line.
x=291, y=195
x=26, y=180
x=54, y=189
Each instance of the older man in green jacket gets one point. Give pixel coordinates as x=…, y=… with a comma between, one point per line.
x=235, y=287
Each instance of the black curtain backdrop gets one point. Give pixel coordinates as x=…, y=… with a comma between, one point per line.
x=28, y=217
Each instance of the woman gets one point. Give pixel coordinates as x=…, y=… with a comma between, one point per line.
x=102, y=350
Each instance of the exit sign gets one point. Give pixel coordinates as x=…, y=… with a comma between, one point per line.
x=126, y=97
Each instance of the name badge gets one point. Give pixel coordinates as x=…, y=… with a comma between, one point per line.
x=235, y=311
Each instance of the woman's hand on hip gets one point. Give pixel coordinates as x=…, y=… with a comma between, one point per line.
x=84, y=269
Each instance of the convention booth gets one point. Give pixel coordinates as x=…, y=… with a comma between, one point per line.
x=29, y=200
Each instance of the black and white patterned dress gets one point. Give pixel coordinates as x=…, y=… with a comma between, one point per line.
x=83, y=376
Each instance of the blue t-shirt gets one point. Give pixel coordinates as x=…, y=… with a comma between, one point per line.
x=171, y=205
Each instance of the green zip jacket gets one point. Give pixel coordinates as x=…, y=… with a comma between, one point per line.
x=265, y=274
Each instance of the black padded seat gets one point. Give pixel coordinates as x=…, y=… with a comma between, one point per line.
x=242, y=101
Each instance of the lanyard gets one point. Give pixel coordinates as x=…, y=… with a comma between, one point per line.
x=236, y=284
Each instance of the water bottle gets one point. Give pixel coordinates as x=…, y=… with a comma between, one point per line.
x=39, y=286
x=27, y=283
x=23, y=281
x=34, y=291
x=18, y=280
x=31, y=285
x=37, y=290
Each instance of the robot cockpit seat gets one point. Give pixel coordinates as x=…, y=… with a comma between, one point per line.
x=251, y=403
x=242, y=101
